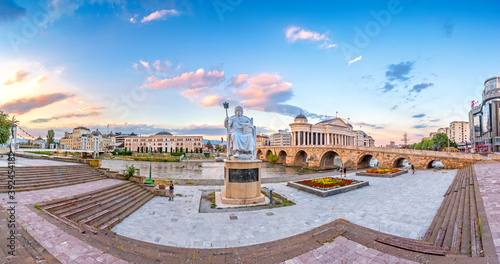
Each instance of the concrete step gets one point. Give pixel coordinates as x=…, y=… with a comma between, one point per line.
x=126, y=210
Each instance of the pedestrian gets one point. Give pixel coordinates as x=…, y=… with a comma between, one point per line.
x=171, y=191
x=412, y=168
x=341, y=171
x=345, y=172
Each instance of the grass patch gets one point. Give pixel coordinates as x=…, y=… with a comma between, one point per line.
x=156, y=159
x=38, y=207
x=41, y=152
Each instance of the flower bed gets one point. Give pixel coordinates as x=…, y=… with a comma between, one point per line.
x=383, y=171
x=386, y=173
x=327, y=186
x=328, y=183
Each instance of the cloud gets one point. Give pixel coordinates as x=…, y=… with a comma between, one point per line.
x=24, y=105
x=419, y=116
x=65, y=116
x=38, y=80
x=420, y=135
x=387, y=87
x=370, y=125
x=448, y=28
x=421, y=86
x=399, y=72
x=434, y=120
x=355, y=60
x=394, y=107
x=160, y=15
x=190, y=80
x=264, y=91
x=10, y=11
x=91, y=108
x=420, y=126
x=294, y=33
x=16, y=77
x=209, y=130
x=238, y=80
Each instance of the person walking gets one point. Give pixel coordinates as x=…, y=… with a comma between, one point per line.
x=345, y=172
x=341, y=171
x=412, y=168
x=171, y=191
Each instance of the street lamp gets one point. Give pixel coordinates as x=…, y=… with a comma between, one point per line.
x=149, y=181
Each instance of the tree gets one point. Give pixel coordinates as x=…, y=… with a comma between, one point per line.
x=209, y=145
x=50, y=137
x=176, y=149
x=171, y=149
x=5, y=125
x=142, y=149
x=137, y=149
x=187, y=150
x=427, y=144
x=272, y=158
x=441, y=139
x=161, y=149
x=125, y=148
x=182, y=149
x=217, y=148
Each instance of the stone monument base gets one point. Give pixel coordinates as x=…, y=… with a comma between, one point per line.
x=242, y=182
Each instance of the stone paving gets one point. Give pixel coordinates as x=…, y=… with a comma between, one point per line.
x=24, y=162
x=343, y=250
x=402, y=206
x=489, y=185
x=60, y=244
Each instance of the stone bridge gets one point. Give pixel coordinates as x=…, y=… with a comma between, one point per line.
x=357, y=157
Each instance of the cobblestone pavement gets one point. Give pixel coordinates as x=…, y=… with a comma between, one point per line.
x=25, y=162
x=60, y=244
x=402, y=206
x=343, y=250
x=489, y=185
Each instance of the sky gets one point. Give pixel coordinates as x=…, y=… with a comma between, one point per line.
x=387, y=67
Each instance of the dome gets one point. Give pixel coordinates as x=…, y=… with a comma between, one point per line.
x=96, y=132
x=301, y=116
x=164, y=133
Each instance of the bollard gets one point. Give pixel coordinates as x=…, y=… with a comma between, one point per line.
x=271, y=195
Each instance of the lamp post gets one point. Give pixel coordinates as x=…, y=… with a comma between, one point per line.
x=149, y=181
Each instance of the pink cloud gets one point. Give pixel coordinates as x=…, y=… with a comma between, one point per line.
x=211, y=100
x=294, y=33
x=159, y=15
x=15, y=77
x=265, y=89
x=190, y=80
x=193, y=94
x=238, y=80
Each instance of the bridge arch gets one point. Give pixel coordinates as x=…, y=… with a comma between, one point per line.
x=300, y=158
x=435, y=164
x=363, y=160
x=267, y=154
x=399, y=162
x=328, y=159
x=282, y=157
x=259, y=154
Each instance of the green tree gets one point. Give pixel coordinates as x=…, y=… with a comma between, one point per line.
x=427, y=144
x=125, y=148
x=187, y=150
x=50, y=137
x=176, y=149
x=171, y=149
x=161, y=149
x=5, y=125
x=182, y=149
x=441, y=139
x=272, y=158
x=137, y=149
x=142, y=149
x=209, y=145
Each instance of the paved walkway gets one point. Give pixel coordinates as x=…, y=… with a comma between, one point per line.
x=25, y=162
x=402, y=206
x=60, y=244
x=488, y=176
x=343, y=250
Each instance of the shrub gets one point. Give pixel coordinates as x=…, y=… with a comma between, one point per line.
x=207, y=154
x=272, y=158
x=130, y=172
x=177, y=154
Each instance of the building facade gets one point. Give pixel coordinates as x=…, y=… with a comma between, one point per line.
x=282, y=138
x=328, y=132
x=163, y=142
x=262, y=140
x=83, y=139
x=459, y=131
x=484, y=118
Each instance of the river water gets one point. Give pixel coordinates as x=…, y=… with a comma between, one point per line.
x=198, y=169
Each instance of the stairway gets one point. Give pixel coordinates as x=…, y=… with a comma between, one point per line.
x=101, y=209
x=46, y=177
x=456, y=226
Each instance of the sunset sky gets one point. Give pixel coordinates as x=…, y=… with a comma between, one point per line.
x=151, y=65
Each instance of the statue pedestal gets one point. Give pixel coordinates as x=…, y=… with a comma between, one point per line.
x=242, y=182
